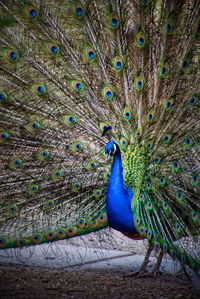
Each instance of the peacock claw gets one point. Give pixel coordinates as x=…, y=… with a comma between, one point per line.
x=144, y=274
x=152, y=274
x=136, y=273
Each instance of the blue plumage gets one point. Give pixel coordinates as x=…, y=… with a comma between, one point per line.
x=118, y=198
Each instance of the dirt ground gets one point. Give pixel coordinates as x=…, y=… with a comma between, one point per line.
x=29, y=282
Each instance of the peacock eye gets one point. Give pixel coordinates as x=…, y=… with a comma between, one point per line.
x=107, y=93
x=4, y=136
x=166, y=138
x=56, y=174
x=77, y=86
x=189, y=142
x=140, y=40
x=33, y=127
x=192, y=100
x=163, y=181
x=2, y=96
x=123, y=142
x=195, y=180
x=139, y=83
x=38, y=89
x=77, y=146
x=114, y=21
x=50, y=203
x=90, y=53
x=12, y=209
x=91, y=165
x=184, y=64
x=52, y=49
x=69, y=119
x=15, y=163
x=118, y=64
x=78, y=10
x=61, y=233
x=31, y=12
x=50, y=235
x=11, y=55
x=127, y=114
x=137, y=220
x=3, y=241
x=33, y=188
x=168, y=28
x=76, y=186
x=37, y=238
x=71, y=231
x=164, y=70
x=169, y=104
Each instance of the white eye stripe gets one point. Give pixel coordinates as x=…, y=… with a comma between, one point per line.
x=115, y=148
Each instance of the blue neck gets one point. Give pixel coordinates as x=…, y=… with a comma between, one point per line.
x=116, y=178
x=118, y=199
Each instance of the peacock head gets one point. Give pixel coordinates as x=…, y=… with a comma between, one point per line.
x=110, y=149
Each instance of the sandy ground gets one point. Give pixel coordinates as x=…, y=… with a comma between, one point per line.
x=29, y=282
x=78, y=269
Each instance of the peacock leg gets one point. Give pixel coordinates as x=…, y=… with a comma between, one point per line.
x=144, y=264
x=155, y=270
x=185, y=272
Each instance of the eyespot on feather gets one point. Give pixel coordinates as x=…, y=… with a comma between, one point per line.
x=15, y=163
x=117, y=63
x=31, y=12
x=3, y=97
x=114, y=21
x=52, y=49
x=76, y=186
x=11, y=55
x=107, y=93
x=69, y=119
x=139, y=83
x=4, y=136
x=78, y=10
x=56, y=174
x=61, y=233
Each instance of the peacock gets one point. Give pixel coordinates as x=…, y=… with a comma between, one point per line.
x=100, y=122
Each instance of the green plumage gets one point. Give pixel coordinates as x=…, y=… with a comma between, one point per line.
x=67, y=70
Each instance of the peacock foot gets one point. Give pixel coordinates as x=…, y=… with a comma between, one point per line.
x=143, y=274
x=136, y=273
x=152, y=274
